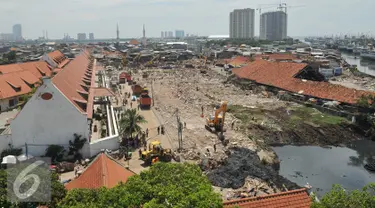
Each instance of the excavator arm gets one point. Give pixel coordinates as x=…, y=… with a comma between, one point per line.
x=221, y=109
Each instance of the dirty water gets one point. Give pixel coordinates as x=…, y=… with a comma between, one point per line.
x=363, y=65
x=323, y=167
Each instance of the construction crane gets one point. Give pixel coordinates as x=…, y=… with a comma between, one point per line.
x=266, y=6
x=284, y=7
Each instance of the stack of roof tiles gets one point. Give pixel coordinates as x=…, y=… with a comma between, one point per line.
x=290, y=199
x=75, y=81
x=281, y=75
x=102, y=172
x=18, y=79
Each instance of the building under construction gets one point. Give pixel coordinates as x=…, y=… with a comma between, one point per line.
x=273, y=25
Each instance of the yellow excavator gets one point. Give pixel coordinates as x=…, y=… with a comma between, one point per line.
x=156, y=150
x=215, y=123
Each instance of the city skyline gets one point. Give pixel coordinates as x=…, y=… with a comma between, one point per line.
x=207, y=18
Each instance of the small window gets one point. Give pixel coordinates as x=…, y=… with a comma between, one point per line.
x=12, y=102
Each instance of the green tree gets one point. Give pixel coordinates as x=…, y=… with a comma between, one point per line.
x=163, y=185
x=129, y=123
x=76, y=145
x=55, y=152
x=338, y=197
x=9, y=58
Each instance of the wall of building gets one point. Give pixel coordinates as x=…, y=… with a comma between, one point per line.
x=110, y=143
x=4, y=103
x=45, y=122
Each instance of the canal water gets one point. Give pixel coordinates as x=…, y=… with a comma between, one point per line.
x=323, y=167
x=363, y=65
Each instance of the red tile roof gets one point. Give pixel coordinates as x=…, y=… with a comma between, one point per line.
x=281, y=75
x=103, y=171
x=70, y=80
x=289, y=199
x=238, y=60
x=59, y=58
x=16, y=79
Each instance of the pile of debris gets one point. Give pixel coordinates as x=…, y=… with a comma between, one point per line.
x=243, y=163
x=226, y=166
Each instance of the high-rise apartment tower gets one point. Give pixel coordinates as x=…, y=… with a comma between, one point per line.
x=241, y=23
x=273, y=25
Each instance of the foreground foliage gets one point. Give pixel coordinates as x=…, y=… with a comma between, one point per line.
x=58, y=192
x=164, y=185
x=339, y=198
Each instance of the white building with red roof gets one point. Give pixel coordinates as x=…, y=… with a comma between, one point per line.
x=63, y=106
x=17, y=80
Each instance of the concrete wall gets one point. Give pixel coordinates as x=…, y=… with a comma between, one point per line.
x=111, y=143
x=4, y=105
x=45, y=122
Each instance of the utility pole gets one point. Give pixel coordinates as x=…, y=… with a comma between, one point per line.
x=179, y=126
x=152, y=92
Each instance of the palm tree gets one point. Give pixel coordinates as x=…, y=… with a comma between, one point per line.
x=129, y=123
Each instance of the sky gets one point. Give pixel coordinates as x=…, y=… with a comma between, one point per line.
x=201, y=17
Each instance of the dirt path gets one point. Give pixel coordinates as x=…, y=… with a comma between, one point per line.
x=135, y=164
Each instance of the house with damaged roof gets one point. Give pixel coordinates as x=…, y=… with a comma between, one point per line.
x=64, y=105
x=296, y=78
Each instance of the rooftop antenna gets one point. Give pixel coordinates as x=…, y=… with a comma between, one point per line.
x=144, y=31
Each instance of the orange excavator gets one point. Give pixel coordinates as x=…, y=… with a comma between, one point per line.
x=215, y=123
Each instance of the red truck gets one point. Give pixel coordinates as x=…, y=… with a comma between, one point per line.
x=145, y=101
x=125, y=77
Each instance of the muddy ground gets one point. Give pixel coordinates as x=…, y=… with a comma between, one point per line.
x=260, y=120
x=295, y=125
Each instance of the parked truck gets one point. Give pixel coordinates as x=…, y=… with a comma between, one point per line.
x=145, y=101
x=137, y=90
